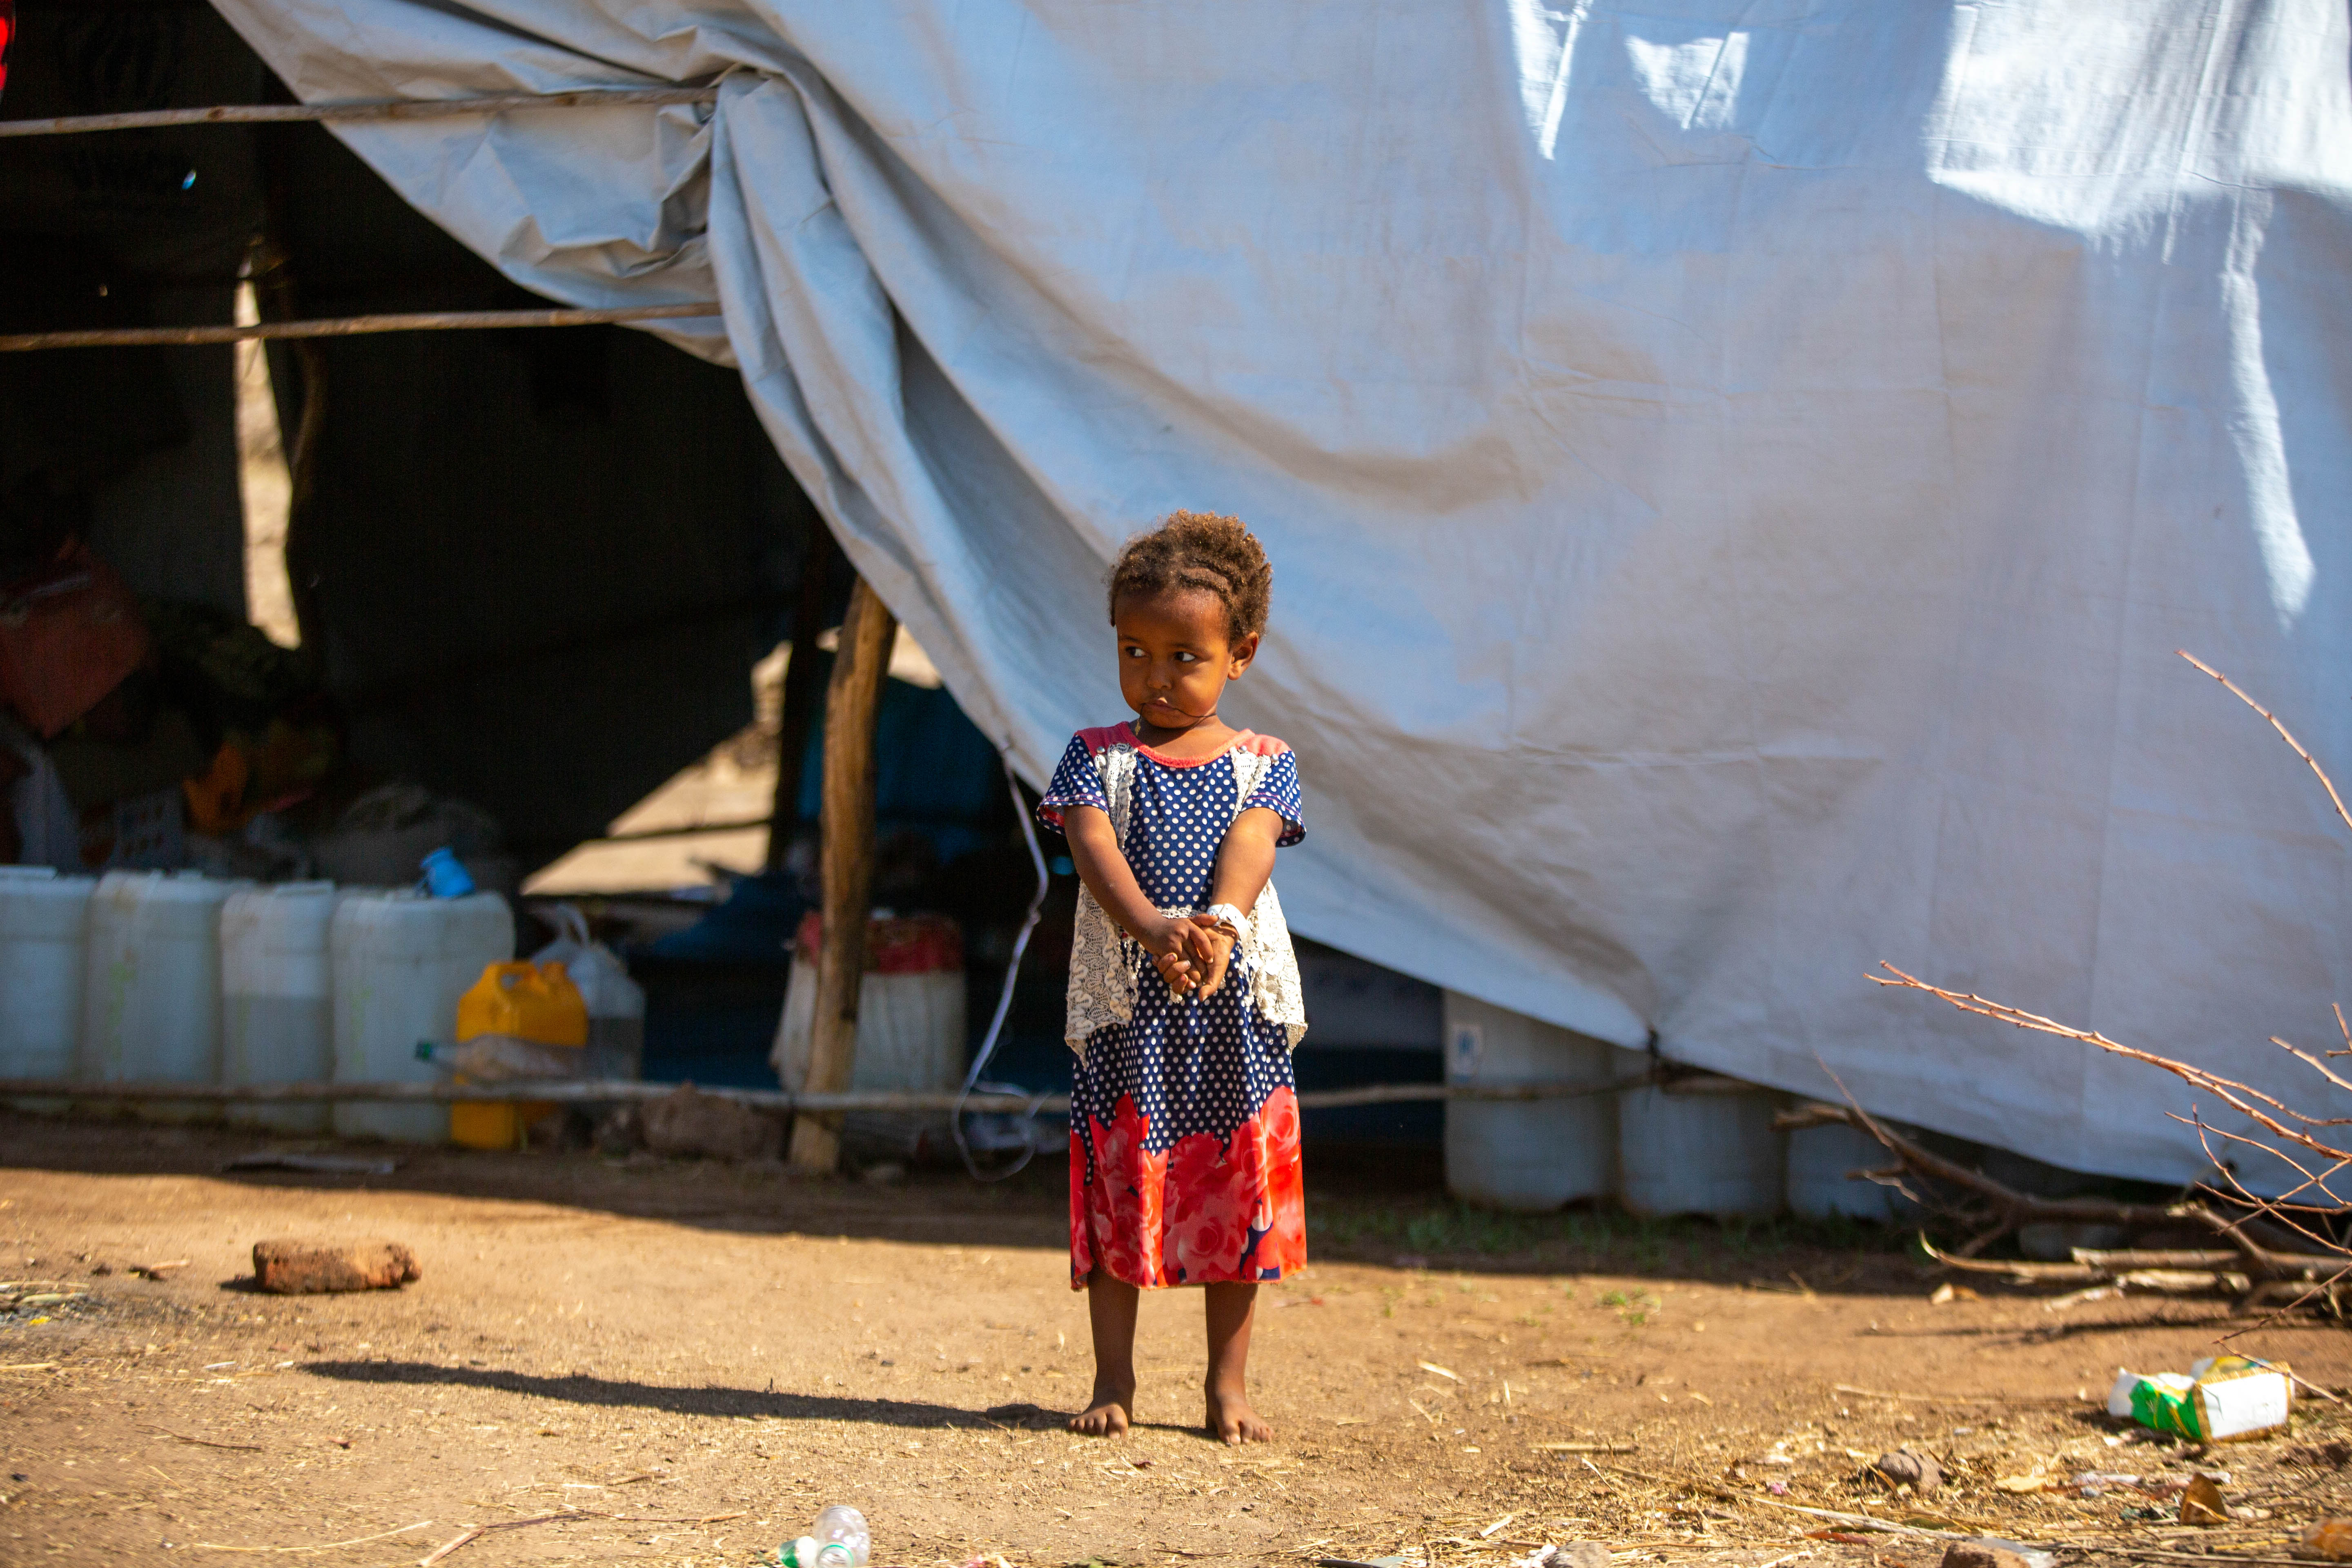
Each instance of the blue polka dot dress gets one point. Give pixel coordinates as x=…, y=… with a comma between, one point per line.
x=1184, y=1163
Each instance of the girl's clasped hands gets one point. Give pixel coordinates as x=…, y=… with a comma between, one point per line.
x=1200, y=947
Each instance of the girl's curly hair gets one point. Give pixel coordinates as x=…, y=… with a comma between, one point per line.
x=1199, y=550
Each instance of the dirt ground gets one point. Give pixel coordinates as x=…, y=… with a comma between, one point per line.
x=686, y=1361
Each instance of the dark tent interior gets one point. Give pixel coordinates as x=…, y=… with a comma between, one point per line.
x=526, y=574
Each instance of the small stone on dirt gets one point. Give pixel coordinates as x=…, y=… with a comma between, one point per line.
x=287, y=1268
x=1575, y=1555
x=2326, y=1540
x=1910, y=1467
x=1977, y=1554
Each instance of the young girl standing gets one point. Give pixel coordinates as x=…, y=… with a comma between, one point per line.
x=1184, y=1116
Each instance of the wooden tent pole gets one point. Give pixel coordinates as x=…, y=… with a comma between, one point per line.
x=845, y=832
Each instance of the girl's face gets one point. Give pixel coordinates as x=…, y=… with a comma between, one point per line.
x=1175, y=657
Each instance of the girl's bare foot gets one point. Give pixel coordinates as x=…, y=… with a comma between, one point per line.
x=1232, y=1420
x=1107, y=1414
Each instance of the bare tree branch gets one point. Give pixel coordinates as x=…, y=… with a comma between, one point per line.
x=2325, y=781
x=2264, y=1269
x=2235, y=1094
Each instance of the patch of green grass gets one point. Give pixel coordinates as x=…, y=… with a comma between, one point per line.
x=1599, y=1240
x=1634, y=1307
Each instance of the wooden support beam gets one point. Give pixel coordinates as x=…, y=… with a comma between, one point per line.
x=348, y=326
x=552, y=1091
x=347, y=113
x=573, y=1091
x=845, y=831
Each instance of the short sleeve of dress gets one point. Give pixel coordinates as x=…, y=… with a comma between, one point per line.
x=1074, y=782
x=1279, y=792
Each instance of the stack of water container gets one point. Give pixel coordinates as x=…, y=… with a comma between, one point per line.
x=1691, y=1144
x=165, y=977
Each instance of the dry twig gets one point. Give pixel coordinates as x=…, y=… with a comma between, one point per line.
x=1849, y=1389
x=2325, y=781
x=2014, y=1208
x=323, y=1546
x=203, y=1442
x=2263, y=1270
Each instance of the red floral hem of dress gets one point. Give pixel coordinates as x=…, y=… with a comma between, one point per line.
x=1209, y=1210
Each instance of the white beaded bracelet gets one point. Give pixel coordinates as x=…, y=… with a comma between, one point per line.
x=1227, y=915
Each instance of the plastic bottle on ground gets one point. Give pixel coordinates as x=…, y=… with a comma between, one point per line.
x=499, y=1058
x=839, y=1539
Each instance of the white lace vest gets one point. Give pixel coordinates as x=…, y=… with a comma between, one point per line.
x=1105, y=964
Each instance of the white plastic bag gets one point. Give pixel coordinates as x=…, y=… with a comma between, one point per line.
x=604, y=980
x=616, y=1003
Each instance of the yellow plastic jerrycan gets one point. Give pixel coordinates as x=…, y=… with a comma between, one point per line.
x=535, y=1002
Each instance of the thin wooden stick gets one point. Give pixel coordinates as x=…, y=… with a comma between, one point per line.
x=1849, y=1389
x=205, y=1442
x=2137, y=1258
x=347, y=327
x=474, y=1533
x=346, y=113
x=2258, y=1207
x=2229, y=1090
x=561, y=1091
x=574, y=1092
x=2017, y=1208
x=2155, y=1554
x=2312, y=1062
x=323, y=1546
x=2325, y=781
x=2324, y=1285
x=2023, y=1273
x=471, y=1533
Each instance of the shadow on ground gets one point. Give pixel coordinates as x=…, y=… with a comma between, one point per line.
x=585, y=1389
x=1368, y=1205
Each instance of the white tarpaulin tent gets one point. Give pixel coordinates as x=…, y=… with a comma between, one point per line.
x=1736, y=472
